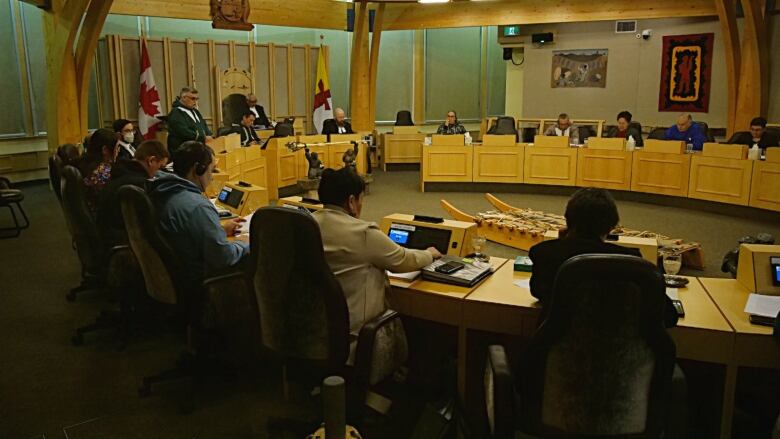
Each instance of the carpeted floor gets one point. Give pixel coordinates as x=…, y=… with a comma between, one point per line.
x=49, y=388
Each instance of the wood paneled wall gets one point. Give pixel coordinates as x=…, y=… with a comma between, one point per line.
x=284, y=75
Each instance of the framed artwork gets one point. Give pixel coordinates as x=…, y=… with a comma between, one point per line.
x=579, y=68
x=686, y=71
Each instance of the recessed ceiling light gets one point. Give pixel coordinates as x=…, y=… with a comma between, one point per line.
x=433, y=1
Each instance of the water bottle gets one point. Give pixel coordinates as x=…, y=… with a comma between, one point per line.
x=467, y=138
x=630, y=143
x=754, y=152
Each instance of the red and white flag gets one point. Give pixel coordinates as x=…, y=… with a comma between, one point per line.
x=148, y=99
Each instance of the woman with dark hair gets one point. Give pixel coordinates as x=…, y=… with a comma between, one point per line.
x=96, y=165
x=625, y=129
x=125, y=132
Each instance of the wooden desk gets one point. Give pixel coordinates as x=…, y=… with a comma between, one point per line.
x=754, y=345
x=765, y=186
x=446, y=163
x=298, y=202
x=604, y=168
x=720, y=179
x=401, y=148
x=660, y=173
x=498, y=164
x=550, y=165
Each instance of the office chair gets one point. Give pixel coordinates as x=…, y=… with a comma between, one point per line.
x=657, y=134
x=601, y=363
x=55, y=168
x=84, y=234
x=233, y=107
x=503, y=125
x=224, y=131
x=741, y=138
x=585, y=131
x=499, y=394
x=303, y=312
x=193, y=304
x=9, y=198
x=404, y=119
x=638, y=127
x=707, y=134
x=527, y=134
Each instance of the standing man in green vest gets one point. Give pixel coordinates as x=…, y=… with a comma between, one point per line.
x=185, y=121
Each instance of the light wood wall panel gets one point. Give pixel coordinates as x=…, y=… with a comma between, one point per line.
x=281, y=100
x=299, y=81
x=203, y=75
x=104, y=75
x=130, y=71
x=242, y=56
x=222, y=55
x=262, y=78
x=179, y=76
x=157, y=58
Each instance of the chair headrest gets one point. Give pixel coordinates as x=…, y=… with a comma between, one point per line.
x=404, y=118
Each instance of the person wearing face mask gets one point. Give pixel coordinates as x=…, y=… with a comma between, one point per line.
x=451, y=125
x=185, y=121
x=357, y=251
x=188, y=219
x=624, y=129
x=126, y=134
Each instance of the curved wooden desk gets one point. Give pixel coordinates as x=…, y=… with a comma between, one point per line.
x=721, y=173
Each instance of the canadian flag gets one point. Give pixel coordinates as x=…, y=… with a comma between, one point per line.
x=148, y=99
x=323, y=104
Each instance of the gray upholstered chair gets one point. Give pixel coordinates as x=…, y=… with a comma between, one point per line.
x=601, y=363
x=210, y=310
x=303, y=312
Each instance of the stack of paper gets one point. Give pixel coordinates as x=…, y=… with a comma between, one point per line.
x=410, y=276
x=763, y=305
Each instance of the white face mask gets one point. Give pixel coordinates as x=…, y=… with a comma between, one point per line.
x=128, y=138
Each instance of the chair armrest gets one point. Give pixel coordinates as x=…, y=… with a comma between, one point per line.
x=5, y=183
x=499, y=393
x=118, y=248
x=366, y=342
x=222, y=278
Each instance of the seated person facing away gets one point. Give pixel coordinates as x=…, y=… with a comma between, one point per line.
x=150, y=157
x=591, y=214
x=357, y=251
x=451, y=125
x=185, y=121
x=96, y=165
x=126, y=134
x=261, y=120
x=624, y=130
x=564, y=128
x=246, y=129
x=337, y=125
x=189, y=220
x=758, y=135
x=688, y=131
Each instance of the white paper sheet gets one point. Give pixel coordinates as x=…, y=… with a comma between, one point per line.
x=763, y=305
x=243, y=228
x=523, y=283
x=412, y=275
x=673, y=293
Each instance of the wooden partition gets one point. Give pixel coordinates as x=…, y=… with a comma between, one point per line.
x=604, y=168
x=550, y=165
x=283, y=75
x=660, y=173
x=403, y=145
x=284, y=166
x=446, y=163
x=721, y=173
x=498, y=160
x=765, y=184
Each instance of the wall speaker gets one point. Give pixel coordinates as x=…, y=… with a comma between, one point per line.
x=542, y=38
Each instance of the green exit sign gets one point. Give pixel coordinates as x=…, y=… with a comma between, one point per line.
x=511, y=31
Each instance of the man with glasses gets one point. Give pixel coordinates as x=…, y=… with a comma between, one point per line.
x=185, y=121
x=261, y=120
x=451, y=125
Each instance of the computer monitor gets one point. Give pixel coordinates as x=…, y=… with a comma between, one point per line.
x=230, y=196
x=420, y=237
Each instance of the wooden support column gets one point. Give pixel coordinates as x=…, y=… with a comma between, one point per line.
x=360, y=89
x=376, y=38
x=727, y=13
x=754, y=68
x=418, y=110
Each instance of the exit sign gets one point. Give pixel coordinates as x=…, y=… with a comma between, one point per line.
x=511, y=31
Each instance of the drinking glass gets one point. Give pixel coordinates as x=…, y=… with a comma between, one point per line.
x=478, y=243
x=672, y=264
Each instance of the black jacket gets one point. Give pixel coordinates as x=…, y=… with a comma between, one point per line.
x=548, y=256
x=330, y=126
x=108, y=219
x=247, y=134
x=631, y=131
x=181, y=127
x=261, y=118
x=768, y=139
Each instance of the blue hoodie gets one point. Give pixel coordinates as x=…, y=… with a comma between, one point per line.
x=191, y=224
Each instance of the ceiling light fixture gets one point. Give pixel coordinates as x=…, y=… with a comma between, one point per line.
x=433, y=1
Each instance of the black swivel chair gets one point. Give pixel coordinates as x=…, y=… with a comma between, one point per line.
x=600, y=364
x=740, y=138
x=657, y=134
x=303, y=312
x=586, y=131
x=527, y=134
x=220, y=302
x=404, y=119
x=707, y=133
x=10, y=197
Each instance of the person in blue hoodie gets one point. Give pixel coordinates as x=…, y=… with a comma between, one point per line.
x=688, y=131
x=188, y=219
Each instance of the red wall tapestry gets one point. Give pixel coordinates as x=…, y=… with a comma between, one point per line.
x=686, y=71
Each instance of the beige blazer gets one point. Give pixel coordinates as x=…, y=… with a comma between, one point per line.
x=359, y=253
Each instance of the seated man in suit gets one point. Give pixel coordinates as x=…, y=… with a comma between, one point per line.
x=185, y=121
x=451, y=125
x=261, y=120
x=564, y=128
x=247, y=130
x=758, y=135
x=688, y=131
x=337, y=125
x=190, y=221
x=624, y=129
x=591, y=214
x=150, y=157
x=357, y=251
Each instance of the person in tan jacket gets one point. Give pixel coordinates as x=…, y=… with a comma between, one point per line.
x=357, y=251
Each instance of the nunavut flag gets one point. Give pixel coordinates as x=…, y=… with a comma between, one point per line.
x=323, y=105
x=148, y=99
